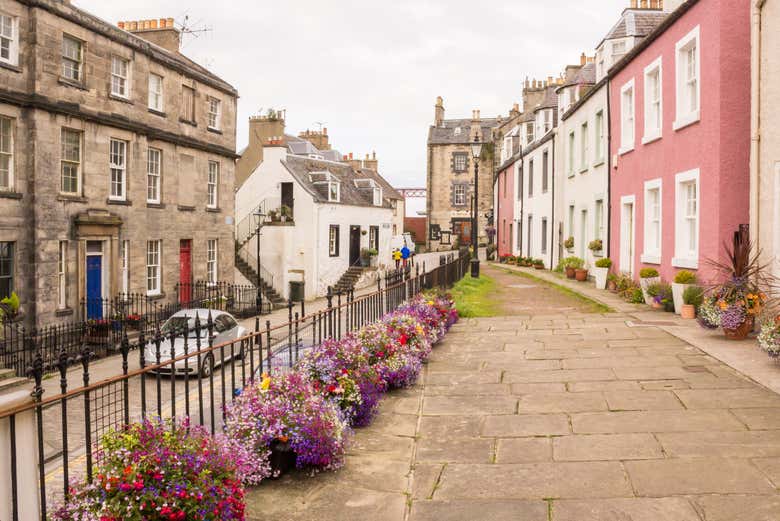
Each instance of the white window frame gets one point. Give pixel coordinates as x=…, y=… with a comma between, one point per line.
x=62, y=275
x=459, y=162
x=333, y=240
x=117, y=160
x=212, y=258
x=652, y=255
x=543, y=233
x=154, y=267
x=598, y=218
x=627, y=118
x=377, y=193
x=530, y=133
x=570, y=223
x=156, y=99
x=9, y=37
x=7, y=153
x=626, y=257
x=215, y=113
x=684, y=257
x=153, y=175
x=653, y=131
x=616, y=56
x=584, y=148
x=120, y=79
x=70, y=161
x=334, y=191
x=599, y=138
x=572, y=154
x=459, y=196
x=76, y=62
x=124, y=259
x=212, y=185
x=684, y=115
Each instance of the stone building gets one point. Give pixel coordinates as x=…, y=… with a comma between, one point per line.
x=117, y=165
x=450, y=178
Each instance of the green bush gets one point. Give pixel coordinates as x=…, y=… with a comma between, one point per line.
x=636, y=296
x=685, y=277
x=569, y=243
x=693, y=295
x=648, y=273
x=653, y=290
x=573, y=262
x=606, y=262
x=538, y=262
x=596, y=245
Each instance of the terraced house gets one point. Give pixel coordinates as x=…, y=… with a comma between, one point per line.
x=116, y=164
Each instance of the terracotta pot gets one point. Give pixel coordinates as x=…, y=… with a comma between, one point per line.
x=688, y=311
x=570, y=273
x=742, y=331
x=581, y=275
x=539, y=266
x=612, y=286
x=656, y=305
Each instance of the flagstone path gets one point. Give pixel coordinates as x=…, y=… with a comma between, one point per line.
x=554, y=413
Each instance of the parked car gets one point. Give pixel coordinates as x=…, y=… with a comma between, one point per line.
x=225, y=329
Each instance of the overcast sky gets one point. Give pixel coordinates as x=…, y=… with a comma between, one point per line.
x=370, y=70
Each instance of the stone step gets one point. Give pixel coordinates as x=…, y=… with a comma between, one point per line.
x=6, y=374
x=7, y=384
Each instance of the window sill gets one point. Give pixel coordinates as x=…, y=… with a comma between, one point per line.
x=155, y=296
x=116, y=97
x=188, y=122
x=598, y=162
x=64, y=312
x=649, y=138
x=10, y=66
x=71, y=83
x=150, y=204
x=680, y=262
x=584, y=169
x=689, y=119
x=184, y=208
x=650, y=259
x=625, y=150
x=119, y=202
x=10, y=195
x=156, y=112
x=214, y=130
x=72, y=198
x=570, y=174
x=213, y=210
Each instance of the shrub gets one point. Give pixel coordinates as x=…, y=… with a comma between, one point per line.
x=693, y=295
x=595, y=245
x=635, y=296
x=653, y=289
x=605, y=262
x=685, y=277
x=569, y=243
x=538, y=262
x=648, y=273
x=573, y=262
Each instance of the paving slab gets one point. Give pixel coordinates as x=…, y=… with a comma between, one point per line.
x=607, y=385
x=449, y=427
x=461, y=450
x=758, y=418
x=466, y=510
x=770, y=467
x=599, y=447
x=740, y=508
x=745, y=444
x=548, y=387
x=523, y=450
x=565, y=375
x=633, y=509
x=458, y=405
x=728, y=398
x=642, y=400
x=655, y=421
x=561, y=402
x=526, y=425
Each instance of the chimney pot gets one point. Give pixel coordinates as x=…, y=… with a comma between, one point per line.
x=350, y=156
x=633, y=4
x=373, y=155
x=121, y=25
x=583, y=59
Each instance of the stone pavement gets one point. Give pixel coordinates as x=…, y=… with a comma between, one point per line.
x=554, y=413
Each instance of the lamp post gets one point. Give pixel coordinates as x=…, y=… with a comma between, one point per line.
x=258, y=221
x=476, y=152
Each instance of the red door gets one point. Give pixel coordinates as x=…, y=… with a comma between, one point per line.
x=465, y=232
x=185, y=270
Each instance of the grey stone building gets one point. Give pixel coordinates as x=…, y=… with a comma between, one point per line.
x=117, y=161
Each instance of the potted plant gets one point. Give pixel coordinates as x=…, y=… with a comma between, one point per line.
x=273, y=215
x=651, y=293
x=538, y=264
x=596, y=246
x=365, y=257
x=581, y=274
x=663, y=297
x=648, y=276
x=601, y=271
x=285, y=212
x=682, y=281
x=769, y=337
x=693, y=296
x=372, y=256
x=503, y=259
x=571, y=265
x=9, y=308
x=612, y=282
x=569, y=244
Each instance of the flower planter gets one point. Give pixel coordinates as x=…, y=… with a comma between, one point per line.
x=644, y=283
x=742, y=331
x=656, y=305
x=571, y=273
x=687, y=311
x=581, y=275
x=612, y=286
x=677, y=295
x=282, y=457
x=539, y=266
x=601, y=277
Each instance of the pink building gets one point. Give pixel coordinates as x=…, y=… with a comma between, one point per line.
x=504, y=190
x=679, y=140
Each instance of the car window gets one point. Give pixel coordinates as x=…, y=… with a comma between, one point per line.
x=229, y=322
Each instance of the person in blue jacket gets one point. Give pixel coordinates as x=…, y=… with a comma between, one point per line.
x=405, y=254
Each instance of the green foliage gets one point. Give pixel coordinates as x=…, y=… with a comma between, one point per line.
x=694, y=296
x=475, y=297
x=653, y=290
x=9, y=306
x=635, y=296
x=596, y=245
x=573, y=262
x=685, y=277
x=606, y=262
x=569, y=243
x=648, y=273
x=538, y=262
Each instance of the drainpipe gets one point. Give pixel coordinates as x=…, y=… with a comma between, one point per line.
x=552, y=198
x=755, y=120
x=609, y=176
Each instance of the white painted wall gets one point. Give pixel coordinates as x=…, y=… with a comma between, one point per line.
x=539, y=205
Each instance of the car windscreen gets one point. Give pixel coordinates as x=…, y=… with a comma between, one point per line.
x=178, y=324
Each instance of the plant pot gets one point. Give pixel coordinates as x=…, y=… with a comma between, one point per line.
x=581, y=275
x=539, y=266
x=601, y=277
x=612, y=285
x=677, y=295
x=656, y=305
x=742, y=331
x=282, y=458
x=687, y=311
x=644, y=283
x=570, y=273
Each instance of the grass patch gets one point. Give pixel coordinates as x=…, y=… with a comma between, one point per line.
x=593, y=305
x=475, y=297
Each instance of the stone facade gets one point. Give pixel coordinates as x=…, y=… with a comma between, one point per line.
x=43, y=108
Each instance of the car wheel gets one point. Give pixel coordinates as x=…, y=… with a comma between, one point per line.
x=207, y=365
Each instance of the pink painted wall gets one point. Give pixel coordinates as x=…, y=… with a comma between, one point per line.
x=504, y=190
x=718, y=145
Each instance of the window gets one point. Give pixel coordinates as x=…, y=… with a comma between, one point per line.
x=70, y=162
x=599, y=131
x=519, y=184
x=687, y=84
x=598, y=224
x=627, y=118
x=188, y=103
x=118, y=165
x=215, y=113
x=544, y=235
x=211, y=186
x=653, y=237
x=529, y=133
x=9, y=39
x=211, y=261
x=331, y=184
x=460, y=161
x=377, y=196
x=6, y=155
x=153, y=258
x=570, y=229
x=6, y=269
x=72, y=58
x=653, y=105
x=506, y=151
x=547, y=120
x=124, y=254
x=62, y=275
x=618, y=50
x=333, y=240
x=460, y=195
x=334, y=192
x=153, y=162
x=686, y=230
x=120, y=74
x=570, y=165
x=584, y=152
x=530, y=229
x=545, y=175
x=531, y=178
x=373, y=237
x=156, y=92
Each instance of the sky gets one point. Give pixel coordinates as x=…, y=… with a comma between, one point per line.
x=370, y=70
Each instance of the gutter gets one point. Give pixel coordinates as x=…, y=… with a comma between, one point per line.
x=755, y=119
x=552, y=206
x=608, y=144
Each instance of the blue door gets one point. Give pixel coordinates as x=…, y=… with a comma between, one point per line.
x=94, y=286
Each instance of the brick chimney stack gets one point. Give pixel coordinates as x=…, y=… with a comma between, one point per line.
x=371, y=163
x=438, y=118
x=162, y=32
x=318, y=138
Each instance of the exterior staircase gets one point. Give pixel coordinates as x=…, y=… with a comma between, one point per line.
x=9, y=381
x=250, y=273
x=349, y=279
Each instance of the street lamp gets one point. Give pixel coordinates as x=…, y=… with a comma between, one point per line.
x=259, y=216
x=476, y=152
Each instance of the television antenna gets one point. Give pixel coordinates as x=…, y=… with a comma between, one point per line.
x=192, y=29
x=320, y=123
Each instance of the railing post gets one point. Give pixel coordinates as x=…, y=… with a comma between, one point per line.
x=124, y=349
x=329, y=298
x=289, y=331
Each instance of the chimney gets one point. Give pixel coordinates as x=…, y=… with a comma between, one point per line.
x=583, y=59
x=438, y=118
x=163, y=34
x=515, y=110
x=372, y=164
x=317, y=138
x=263, y=131
x=633, y=4
x=475, y=126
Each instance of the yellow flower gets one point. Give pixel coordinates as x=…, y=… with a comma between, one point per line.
x=430, y=303
x=266, y=383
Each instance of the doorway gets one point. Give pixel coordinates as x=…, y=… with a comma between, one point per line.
x=185, y=270
x=354, y=245
x=627, y=234
x=287, y=198
x=94, y=280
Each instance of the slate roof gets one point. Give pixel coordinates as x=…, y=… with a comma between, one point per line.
x=635, y=22
x=445, y=134
x=550, y=99
x=388, y=192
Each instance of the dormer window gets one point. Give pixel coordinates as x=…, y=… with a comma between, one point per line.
x=330, y=182
x=334, y=192
x=457, y=131
x=376, y=190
